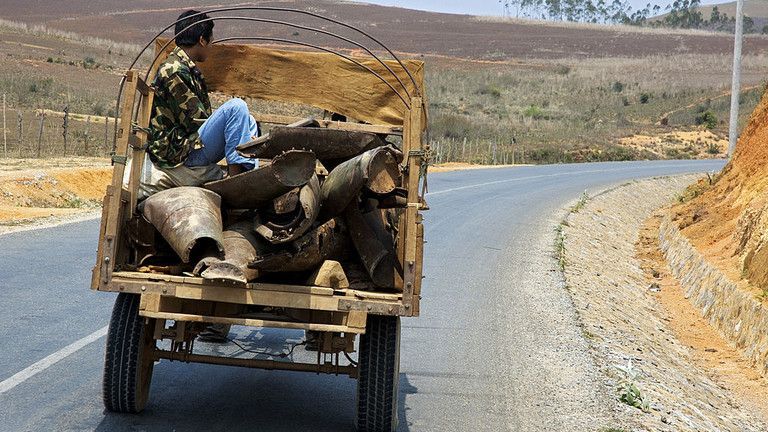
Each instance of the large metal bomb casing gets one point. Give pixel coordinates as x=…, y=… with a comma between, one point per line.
x=326, y=144
x=189, y=219
x=377, y=170
x=255, y=188
x=308, y=251
x=296, y=218
x=241, y=246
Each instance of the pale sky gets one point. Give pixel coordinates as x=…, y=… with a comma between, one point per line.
x=486, y=7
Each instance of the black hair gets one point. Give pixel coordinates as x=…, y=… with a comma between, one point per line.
x=192, y=35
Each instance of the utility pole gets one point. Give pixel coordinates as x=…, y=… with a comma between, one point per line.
x=733, y=125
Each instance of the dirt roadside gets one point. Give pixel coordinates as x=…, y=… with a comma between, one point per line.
x=37, y=193
x=40, y=193
x=671, y=371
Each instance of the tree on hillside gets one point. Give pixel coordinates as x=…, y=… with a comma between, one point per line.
x=680, y=14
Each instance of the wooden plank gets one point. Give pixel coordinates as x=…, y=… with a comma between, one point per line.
x=330, y=124
x=367, y=295
x=335, y=303
x=252, y=322
x=412, y=148
x=96, y=272
x=138, y=153
x=143, y=88
x=357, y=319
x=149, y=302
x=157, y=277
x=265, y=298
x=418, y=273
x=114, y=216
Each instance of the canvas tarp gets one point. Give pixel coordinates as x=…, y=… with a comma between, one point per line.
x=323, y=80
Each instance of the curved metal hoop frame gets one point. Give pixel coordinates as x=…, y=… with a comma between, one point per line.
x=292, y=42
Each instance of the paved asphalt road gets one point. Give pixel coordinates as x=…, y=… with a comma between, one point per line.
x=496, y=347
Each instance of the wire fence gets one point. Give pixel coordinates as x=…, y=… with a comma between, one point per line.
x=43, y=133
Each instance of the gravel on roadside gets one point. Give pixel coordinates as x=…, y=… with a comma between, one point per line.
x=657, y=385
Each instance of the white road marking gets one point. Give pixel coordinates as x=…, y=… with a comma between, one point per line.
x=49, y=361
x=560, y=174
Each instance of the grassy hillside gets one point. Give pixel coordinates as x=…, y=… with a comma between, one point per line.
x=666, y=99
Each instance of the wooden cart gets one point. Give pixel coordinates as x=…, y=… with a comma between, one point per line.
x=158, y=310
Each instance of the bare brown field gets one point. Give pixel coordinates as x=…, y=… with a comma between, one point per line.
x=405, y=30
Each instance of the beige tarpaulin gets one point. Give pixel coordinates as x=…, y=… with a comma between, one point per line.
x=322, y=80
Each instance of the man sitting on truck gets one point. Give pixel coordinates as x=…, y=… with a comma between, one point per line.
x=187, y=139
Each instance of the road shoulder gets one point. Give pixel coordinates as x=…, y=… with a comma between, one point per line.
x=658, y=384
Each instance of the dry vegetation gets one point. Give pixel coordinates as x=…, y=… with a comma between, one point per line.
x=509, y=100
x=582, y=110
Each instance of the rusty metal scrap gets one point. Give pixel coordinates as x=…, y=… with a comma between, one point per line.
x=326, y=144
x=376, y=170
x=374, y=243
x=291, y=214
x=258, y=187
x=309, y=251
x=241, y=246
x=189, y=219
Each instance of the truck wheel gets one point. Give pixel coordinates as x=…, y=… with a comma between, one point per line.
x=128, y=362
x=379, y=374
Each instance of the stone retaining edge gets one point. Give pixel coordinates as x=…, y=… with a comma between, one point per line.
x=738, y=315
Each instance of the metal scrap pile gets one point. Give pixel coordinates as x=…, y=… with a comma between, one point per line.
x=328, y=199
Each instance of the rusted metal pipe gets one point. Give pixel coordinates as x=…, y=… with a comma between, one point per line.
x=256, y=188
x=289, y=219
x=189, y=219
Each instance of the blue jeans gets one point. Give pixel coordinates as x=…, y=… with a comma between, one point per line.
x=228, y=127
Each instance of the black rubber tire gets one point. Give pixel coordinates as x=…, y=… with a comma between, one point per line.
x=128, y=361
x=379, y=369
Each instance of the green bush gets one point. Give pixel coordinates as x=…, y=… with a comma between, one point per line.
x=645, y=97
x=90, y=63
x=707, y=119
x=490, y=90
x=534, y=112
x=617, y=87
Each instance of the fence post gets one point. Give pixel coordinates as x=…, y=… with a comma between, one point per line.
x=106, y=132
x=65, y=126
x=40, y=135
x=87, y=132
x=5, y=137
x=20, y=120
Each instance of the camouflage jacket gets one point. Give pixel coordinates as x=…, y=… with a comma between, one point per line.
x=181, y=104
